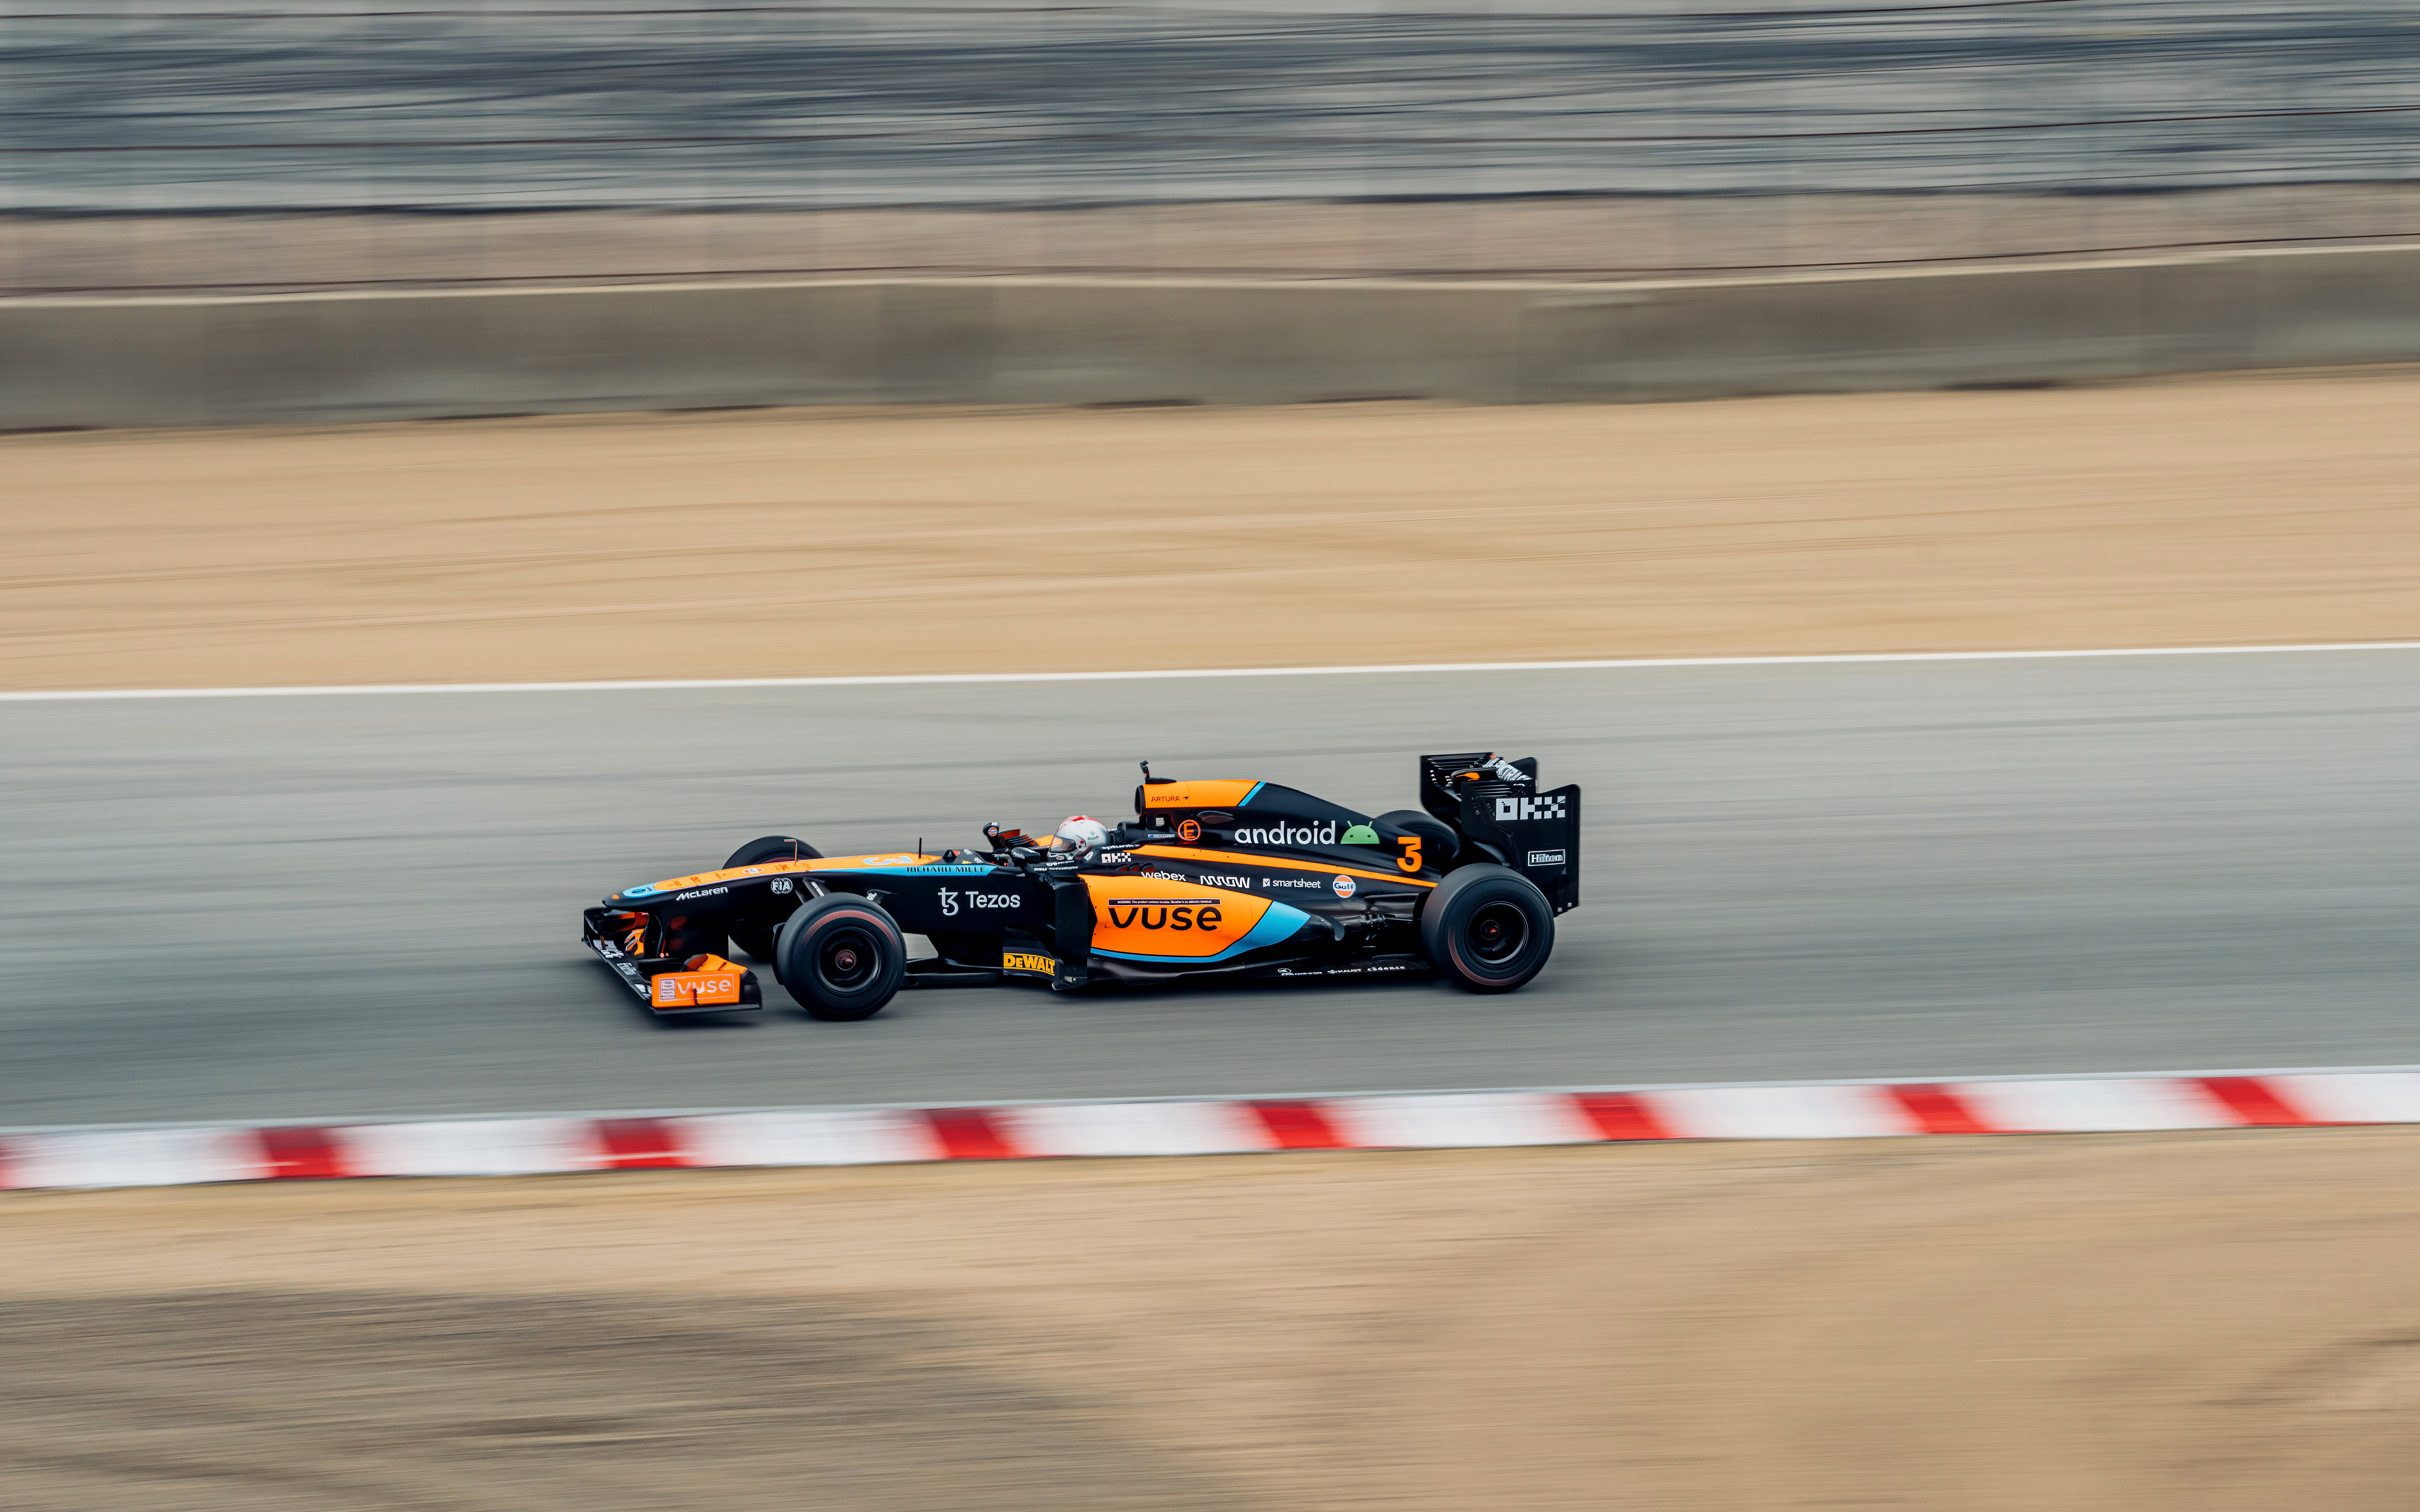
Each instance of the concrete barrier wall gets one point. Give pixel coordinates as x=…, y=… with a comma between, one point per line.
x=390, y=356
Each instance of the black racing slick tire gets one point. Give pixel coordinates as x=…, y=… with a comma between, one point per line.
x=1487, y=929
x=755, y=935
x=841, y=957
x=773, y=848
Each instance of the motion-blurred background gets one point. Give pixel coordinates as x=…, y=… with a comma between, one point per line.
x=156, y=145
x=1013, y=301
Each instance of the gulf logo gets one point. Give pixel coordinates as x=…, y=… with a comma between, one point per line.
x=1343, y=886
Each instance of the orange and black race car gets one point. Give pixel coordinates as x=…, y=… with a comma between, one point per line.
x=1231, y=879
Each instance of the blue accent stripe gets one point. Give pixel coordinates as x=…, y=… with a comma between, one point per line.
x=1275, y=926
x=1250, y=796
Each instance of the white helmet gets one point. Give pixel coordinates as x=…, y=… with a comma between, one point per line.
x=1080, y=834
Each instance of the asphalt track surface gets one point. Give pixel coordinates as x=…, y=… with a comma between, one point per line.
x=307, y=907
x=192, y=105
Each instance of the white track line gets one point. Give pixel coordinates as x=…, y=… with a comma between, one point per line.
x=907, y=679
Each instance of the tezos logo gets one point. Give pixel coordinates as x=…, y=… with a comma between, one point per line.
x=1311, y=834
x=1344, y=887
x=1169, y=914
x=1546, y=807
x=975, y=900
x=1546, y=857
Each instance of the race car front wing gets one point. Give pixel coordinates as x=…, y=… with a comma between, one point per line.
x=668, y=985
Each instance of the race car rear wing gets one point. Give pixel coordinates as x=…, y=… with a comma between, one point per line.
x=1495, y=803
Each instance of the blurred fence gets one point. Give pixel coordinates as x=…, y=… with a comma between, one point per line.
x=1986, y=128
x=387, y=356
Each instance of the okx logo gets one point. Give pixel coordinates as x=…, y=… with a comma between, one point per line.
x=1550, y=807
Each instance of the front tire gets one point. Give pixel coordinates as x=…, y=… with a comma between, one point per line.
x=754, y=936
x=1487, y=929
x=841, y=957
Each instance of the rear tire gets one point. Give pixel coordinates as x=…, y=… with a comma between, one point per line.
x=1487, y=929
x=841, y=957
x=754, y=936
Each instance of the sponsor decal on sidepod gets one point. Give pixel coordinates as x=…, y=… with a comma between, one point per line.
x=975, y=900
x=1166, y=913
x=1310, y=834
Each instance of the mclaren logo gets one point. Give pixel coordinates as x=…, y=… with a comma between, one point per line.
x=1550, y=807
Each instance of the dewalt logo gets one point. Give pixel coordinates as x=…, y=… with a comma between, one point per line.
x=1023, y=961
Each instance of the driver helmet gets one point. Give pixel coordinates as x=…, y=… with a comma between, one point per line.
x=1080, y=835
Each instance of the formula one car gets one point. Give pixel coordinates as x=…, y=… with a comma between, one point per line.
x=1228, y=879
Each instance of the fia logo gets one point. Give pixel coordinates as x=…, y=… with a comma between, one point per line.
x=1550, y=807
